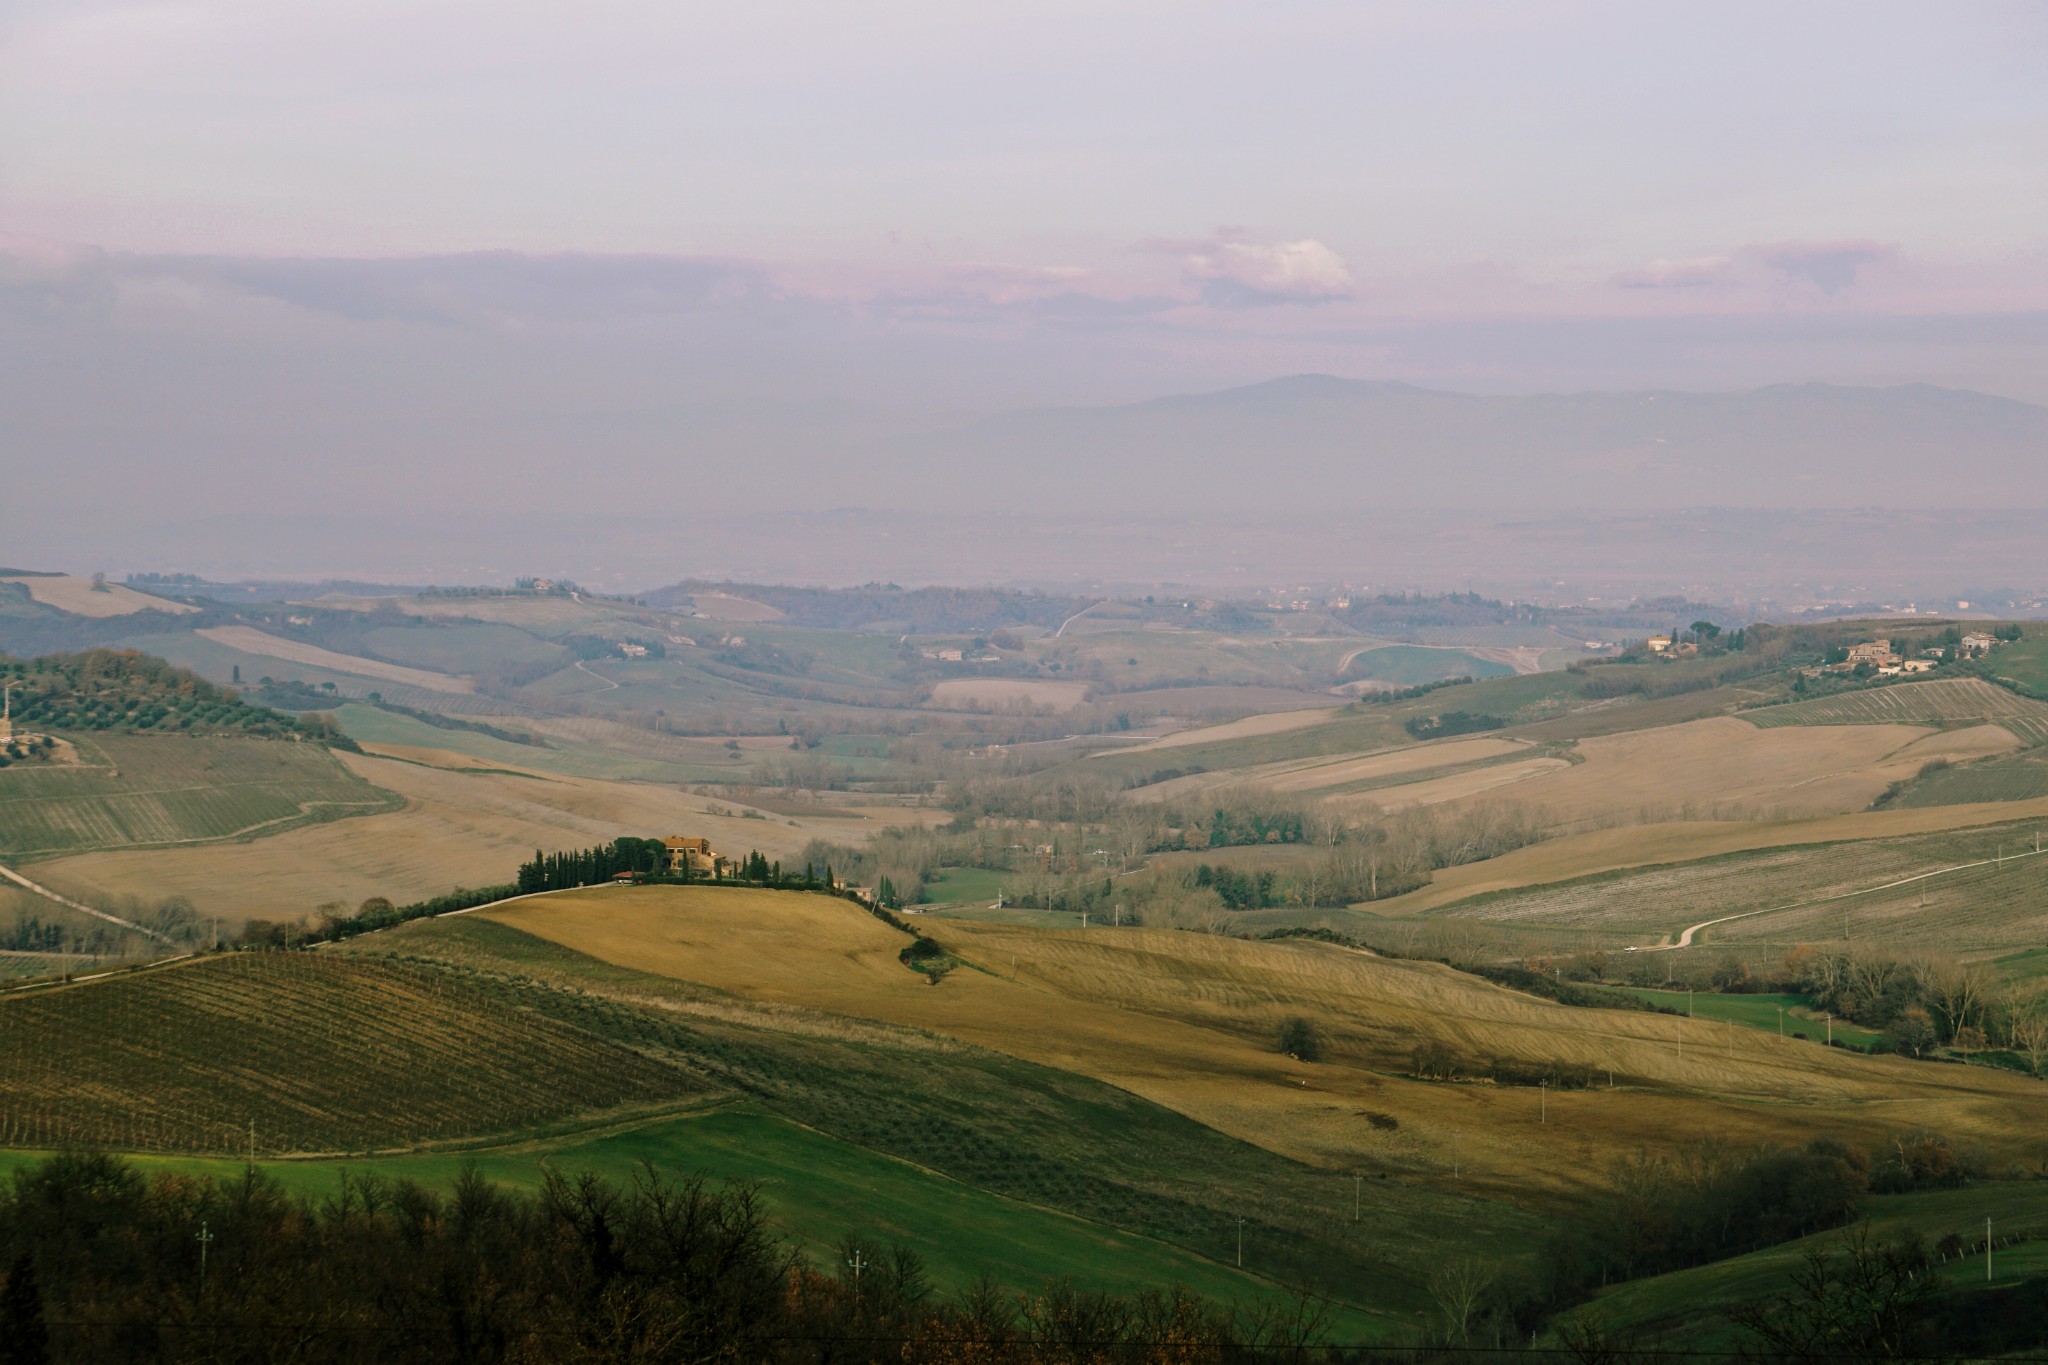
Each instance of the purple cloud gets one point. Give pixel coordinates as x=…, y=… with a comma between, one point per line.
x=1234, y=271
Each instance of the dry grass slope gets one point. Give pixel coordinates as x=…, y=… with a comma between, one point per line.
x=1188, y=1022
x=459, y=827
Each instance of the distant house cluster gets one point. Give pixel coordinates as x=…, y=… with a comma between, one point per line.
x=1886, y=660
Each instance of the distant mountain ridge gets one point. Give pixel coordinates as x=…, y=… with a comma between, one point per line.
x=1326, y=442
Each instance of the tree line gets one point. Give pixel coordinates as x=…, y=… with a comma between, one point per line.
x=104, y=1265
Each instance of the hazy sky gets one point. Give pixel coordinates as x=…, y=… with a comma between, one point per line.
x=230, y=227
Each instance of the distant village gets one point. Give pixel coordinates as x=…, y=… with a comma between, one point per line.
x=1870, y=658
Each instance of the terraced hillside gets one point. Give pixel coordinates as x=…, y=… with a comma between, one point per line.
x=147, y=790
x=321, y=1053
x=1947, y=702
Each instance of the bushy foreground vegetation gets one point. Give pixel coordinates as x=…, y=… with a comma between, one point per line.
x=106, y=1266
x=1076, y=848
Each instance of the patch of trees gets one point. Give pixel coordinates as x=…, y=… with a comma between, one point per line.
x=1666, y=1213
x=1378, y=698
x=31, y=934
x=1437, y=1061
x=103, y=1265
x=1451, y=723
x=1300, y=1039
x=37, y=749
x=1255, y=824
x=1238, y=890
x=590, y=866
x=125, y=689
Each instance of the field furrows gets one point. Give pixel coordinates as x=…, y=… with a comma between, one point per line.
x=320, y=1053
x=1950, y=701
x=168, y=789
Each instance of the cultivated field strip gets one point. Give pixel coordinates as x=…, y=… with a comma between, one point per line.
x=321, y=1053
x=156, y=790
x=1951, y=701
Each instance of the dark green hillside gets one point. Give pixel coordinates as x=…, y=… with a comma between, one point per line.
x=124, y=689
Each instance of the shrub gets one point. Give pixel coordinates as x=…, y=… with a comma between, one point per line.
x=1300, y=1040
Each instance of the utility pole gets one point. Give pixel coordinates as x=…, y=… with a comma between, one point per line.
x=205, y=1239
x=1357, y=1196
x=1831, y=1029
x=1454, y=1155
x=1543, y=1101
x=252, y=1142
x=1240, y=1241
x=859, y=1263
x=1987, y=1250
x=1781, y=1021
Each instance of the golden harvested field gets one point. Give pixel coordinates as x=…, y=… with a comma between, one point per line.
x=1270, y=724
x=1677, y=841
x=457, y=828
x=250, y=640
x=76, y=596
x=1187, y=1021
x=1437, y=791
x=963, y=694
x=1309, y=775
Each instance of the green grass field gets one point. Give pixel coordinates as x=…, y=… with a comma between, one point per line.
x=136, y=790
x=2024, y=661
x=966, y=884
x=820, y=1190
x=1759, y=1012
x=2014, y=777
x=1695, y=1303
x=1407, y=665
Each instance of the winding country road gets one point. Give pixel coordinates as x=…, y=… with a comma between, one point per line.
x=1686, y=936
x=609, y=685
x=11, y=875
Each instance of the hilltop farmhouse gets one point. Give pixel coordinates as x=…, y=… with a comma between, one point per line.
x=694, y=857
